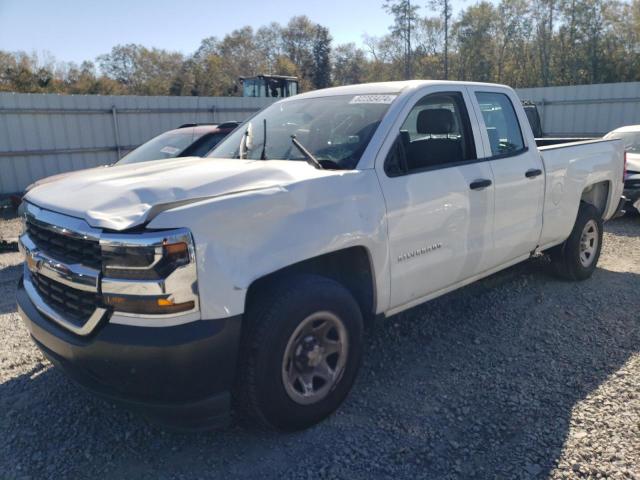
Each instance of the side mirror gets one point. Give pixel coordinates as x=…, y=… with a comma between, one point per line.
x=396, y=162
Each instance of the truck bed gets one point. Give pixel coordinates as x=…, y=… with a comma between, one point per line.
x=568, y=168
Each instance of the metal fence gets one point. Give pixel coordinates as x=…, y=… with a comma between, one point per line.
x=44, y=134
x=585, y=110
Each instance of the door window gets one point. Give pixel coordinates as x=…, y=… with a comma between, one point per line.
x=435, y=134
x=503, y=128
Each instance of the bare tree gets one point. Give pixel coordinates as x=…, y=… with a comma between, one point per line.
x=405, y=16
x=445, y=13
x=545, y=13
x=512, y=23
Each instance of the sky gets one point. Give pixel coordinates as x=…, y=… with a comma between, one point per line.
x=83, y=29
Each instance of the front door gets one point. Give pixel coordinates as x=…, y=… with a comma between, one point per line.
x=439, y=197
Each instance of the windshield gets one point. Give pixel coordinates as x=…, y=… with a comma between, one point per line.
x=335, y=130
x=167, y=145
x=631, y=140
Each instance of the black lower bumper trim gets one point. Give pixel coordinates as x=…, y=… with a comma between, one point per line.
x=181, y=374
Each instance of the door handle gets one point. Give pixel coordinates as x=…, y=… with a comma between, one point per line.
x=480, y=184
x=534, y=172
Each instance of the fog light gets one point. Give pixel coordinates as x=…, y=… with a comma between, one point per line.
x=147, y=305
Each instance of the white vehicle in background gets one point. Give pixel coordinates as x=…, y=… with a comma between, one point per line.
x=630, y=136
x=185, y=286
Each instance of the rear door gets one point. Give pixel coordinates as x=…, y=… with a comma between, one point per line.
x=518, y=172
x=439, y=195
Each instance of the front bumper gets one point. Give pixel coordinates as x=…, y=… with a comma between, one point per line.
x=180, y=375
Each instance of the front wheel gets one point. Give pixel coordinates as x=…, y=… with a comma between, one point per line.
x=577, y=257
x=301, y=352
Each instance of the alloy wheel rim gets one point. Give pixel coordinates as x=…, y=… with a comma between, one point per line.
x=315, y=358
x=589, y=243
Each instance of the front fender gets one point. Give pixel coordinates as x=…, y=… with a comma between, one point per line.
x=242, y=237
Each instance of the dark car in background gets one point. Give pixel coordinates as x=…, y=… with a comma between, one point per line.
x=188, y=140
x=542, y=139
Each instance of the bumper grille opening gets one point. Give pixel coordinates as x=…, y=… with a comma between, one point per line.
x=64, y=248
x=75, y=305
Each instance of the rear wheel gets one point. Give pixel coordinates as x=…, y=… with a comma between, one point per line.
x=301, y=352
x=577, y=257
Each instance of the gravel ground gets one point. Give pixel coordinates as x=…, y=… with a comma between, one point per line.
x=517, y=376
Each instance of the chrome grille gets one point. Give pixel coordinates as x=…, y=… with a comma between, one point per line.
x=68, y=249
x=63, y=275
x=74, y=304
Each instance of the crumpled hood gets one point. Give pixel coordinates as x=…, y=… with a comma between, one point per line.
x=124, y=196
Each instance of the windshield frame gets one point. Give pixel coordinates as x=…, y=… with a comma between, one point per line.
x=372, y=119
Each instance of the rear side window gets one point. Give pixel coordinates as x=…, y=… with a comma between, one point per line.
x=503, y=128
x=167, y=145
x=204, y=145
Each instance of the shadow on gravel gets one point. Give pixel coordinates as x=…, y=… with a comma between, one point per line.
x=8, y=281
x=480, y=383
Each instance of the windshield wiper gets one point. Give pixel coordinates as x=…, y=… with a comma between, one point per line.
x=308, y=156
x=263, y=155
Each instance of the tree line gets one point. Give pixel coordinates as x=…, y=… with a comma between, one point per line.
x=517, y=42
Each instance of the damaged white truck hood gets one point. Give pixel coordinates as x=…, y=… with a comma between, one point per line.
x=122, y=197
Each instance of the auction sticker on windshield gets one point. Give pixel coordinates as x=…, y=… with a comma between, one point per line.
x=373, y=99
x=169, y=150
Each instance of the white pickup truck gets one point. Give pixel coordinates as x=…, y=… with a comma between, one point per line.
x=187, y=286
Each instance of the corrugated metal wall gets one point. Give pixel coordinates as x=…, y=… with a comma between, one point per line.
x=585, y=110
x=42, y=134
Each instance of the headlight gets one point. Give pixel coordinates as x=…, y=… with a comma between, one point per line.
x=144, y=262
x=149, y=273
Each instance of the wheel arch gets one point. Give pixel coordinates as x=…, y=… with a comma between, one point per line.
x=352, y=267
x=597, y=194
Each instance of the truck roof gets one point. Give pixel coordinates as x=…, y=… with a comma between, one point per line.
x=385, y=88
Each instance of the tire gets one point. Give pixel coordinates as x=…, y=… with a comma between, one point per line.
x=575, y=259
x=324, y=317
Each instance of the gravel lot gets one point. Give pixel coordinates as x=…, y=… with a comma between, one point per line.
x=517, y=376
